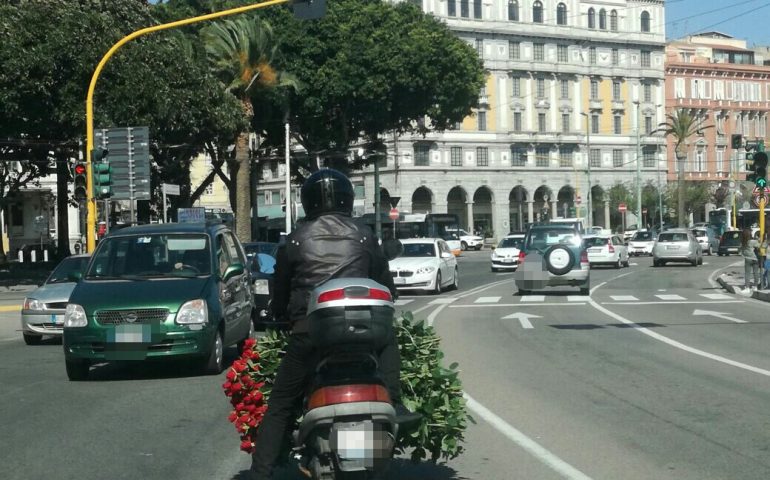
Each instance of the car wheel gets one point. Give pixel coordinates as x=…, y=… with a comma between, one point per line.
x=214, y=362
x=585, y=289
x=463, y=246
x=523, y=291
x=251, y=334
x=437, y=289
x=709, y=253
x=694, y=263
x=617, y=264
x=478, y=247
x=627, y=263
x=700, y=260
x=32, y=339
x=494, y=269
x=456, y=281
x=77, y=370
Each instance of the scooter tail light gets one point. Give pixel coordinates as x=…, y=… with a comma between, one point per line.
x=359, y=294
x=335, y=395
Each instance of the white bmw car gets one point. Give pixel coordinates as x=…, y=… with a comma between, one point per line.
x=426, y=264
x=506, y=255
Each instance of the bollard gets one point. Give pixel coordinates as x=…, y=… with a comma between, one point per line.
x=33, y=254
x=21, y=256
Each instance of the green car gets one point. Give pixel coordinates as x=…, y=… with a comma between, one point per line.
x=160, y=292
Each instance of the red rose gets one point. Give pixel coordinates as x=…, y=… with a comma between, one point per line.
x=230, y=375
x=246, y=445
x=232, y=417
x=235, y=387
x=227, y=385
x=249, y=343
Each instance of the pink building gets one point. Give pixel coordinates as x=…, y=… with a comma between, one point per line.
x=719, y=79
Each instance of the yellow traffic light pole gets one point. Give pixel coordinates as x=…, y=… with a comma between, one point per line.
x=90, y=200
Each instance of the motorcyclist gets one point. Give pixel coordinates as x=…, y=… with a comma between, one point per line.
x=328, y=244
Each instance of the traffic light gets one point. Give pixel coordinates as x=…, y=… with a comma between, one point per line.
x=760, y=169
x=736, y=141
x=81, y=183
x=101, y=170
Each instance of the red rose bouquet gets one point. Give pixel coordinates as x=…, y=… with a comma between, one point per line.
x=245, y=394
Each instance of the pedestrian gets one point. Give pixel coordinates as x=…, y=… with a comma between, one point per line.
x=764, y=261
x=749, y=251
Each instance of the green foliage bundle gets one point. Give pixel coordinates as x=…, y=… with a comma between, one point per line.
x=427, y=388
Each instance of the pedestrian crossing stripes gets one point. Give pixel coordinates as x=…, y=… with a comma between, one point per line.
x=716, y=296
x=669, y=297
x=532, y=298
x=403, y=301
x=624, y=298
x=487, y=300
x=577, y=300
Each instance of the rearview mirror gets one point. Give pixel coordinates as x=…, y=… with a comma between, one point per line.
x=392, y=248
x=233, y=271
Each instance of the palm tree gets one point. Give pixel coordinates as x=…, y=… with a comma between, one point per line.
x=242, y=53
x=681, y=125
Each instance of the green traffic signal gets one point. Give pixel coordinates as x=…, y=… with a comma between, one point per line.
x=760, y=169
x=101, y=173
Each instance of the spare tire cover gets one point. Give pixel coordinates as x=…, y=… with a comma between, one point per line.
x=559, y=260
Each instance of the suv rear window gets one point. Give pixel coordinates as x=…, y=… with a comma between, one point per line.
x=542, y=238
x=673, y=237
x=732, y=235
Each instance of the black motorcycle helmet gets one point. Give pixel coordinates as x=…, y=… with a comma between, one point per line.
x=327, y=191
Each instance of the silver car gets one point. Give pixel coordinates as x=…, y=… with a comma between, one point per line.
x=676, y=245
x=43, y=310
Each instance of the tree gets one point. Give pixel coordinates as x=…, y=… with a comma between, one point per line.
x=681, y=125
x=695, y=194
x=617, y=194
x=242, y=53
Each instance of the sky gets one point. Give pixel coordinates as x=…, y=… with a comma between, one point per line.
x=745, y=19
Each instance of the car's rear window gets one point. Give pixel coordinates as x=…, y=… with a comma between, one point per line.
x=673, y=237
x=732, y=235
x=699, y=233
x=642, y=236
x=511, y=243
x=595, y=241
x=545, y=237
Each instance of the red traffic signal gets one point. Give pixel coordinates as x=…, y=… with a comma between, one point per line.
x=80, y=181
x=80, y=169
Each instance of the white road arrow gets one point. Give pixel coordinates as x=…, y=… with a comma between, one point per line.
x=523, y=318
x=723, y=316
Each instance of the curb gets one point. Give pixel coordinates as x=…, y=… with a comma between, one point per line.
x=762, y=296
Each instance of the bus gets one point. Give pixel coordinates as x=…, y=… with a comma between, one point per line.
x=416, y=225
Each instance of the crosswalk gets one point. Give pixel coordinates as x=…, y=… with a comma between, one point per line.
x=649, y=299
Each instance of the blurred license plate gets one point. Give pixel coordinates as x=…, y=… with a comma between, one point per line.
x=399, y=281
x=507, y=260
x=130, y=334
x=672, y=247
x=595, y=250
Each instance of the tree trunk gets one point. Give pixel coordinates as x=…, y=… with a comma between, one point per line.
x=243, y=189
x=62, y=206
x=680, y=211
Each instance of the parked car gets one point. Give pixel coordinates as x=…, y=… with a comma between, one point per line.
x=641, y=243
x=160, y=292
x=43, y=310
x=677, y=245
x=552, y=255
x=425, y=264
x=606, y=250
x=506, y=255
x=707, y=240
x=730, y=243
x=467, y=240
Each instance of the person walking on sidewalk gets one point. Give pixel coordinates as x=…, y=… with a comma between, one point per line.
x=764, y=261
x=750, y=251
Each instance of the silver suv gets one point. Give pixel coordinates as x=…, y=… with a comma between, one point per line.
x=677, y=245
x=552, y=255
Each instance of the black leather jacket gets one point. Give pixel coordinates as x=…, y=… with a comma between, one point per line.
x=329, y=246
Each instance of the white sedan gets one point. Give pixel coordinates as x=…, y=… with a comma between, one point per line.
x=426, y=264
x=506, y=255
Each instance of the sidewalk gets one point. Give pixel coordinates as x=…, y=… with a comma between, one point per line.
x=733, y=282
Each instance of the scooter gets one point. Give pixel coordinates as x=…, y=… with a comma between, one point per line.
x=348, y=429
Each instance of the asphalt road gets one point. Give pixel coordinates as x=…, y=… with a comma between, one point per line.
x=654, y=376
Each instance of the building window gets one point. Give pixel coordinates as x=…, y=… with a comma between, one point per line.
x=539, y=52
x=602, y=19
x=617, y=158
x=518, y=156
x=482, y=117
x=616, y=91
x=417, y=3
x=647, y=92
x=596, y=158
x=614, y=20
x=562, y=54
x=209, y=189
x=517, y=121
x=537, y=12
x=592, y=55
x=594, y=90
x=421, y=155
x=565, y=118
x=476, y=8
x=452, y=8
x=700, y=161
x=456, y=156
x=645, y=59
x=561, y=14
x=541, y=123
x=514, y=50
x=648, y=124
x=458, y=126
x=540, y=88
x=513, y=10
x=565, y=157
x=720, y=160
x=615, y=57
x=564, y=84
x=595, y=124
x=516, y=87
x=482, y=156
x=645, y=21
x=618, y=124
x=464, y=9
x=480, y=47
x=648, y=157
x=591, y=18
x=542, y=157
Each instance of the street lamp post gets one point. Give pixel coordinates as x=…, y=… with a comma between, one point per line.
x=589, y=215
x=638, y=162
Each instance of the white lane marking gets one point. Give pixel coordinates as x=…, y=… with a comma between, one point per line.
x=487, y=300
x=576, y=298
x=533, y=298
x=523, y=318
x=633, y=264
x=624, y=298
x=530, y=446
x=686, y=302
x=442, y=301
x=671, y=297
x=432, y=317
x=722, y=315
x=401, y=302
x=424, y=307
x=716, y=296
x=679, y=345
x=533, y=304
x=661, y=289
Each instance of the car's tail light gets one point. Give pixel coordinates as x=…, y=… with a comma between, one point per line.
x=359, y=293
x=611, y=249
x=584, y=256
x=348, y=394
x=522, y=256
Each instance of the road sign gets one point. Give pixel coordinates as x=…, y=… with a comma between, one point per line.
x=393, y=214
x=578, y=200
x=644, y=210
x=129, y=149
x=191, y=215
x=621, y=207
x=171, y=189
x=757, y=192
